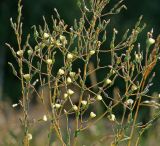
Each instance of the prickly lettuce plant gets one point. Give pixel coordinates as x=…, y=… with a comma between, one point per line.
x=85, y=41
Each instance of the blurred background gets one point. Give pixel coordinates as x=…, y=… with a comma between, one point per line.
x=32, y=15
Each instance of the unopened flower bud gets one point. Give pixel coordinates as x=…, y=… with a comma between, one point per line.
x=49, y=61
x=30, y=52
x=70, y=92
x=75, y=107
x=99, y=97
x=52, y=40
x=108, y=81
x=65, y=95
x=92, y=52
x=69, y=56
x=36, y=47
x=69, y=80
x=138, y=57
x=42, y=45
x=112, y=117
x=92, y=115
x=115, y=31
x=150, y=41
x=57, y=105
x=45, y=118
x=129, y=102
x=63, y=39
x=84, y=102
x=99, y=43
x=112, y=71
x=72, y=74
x=29, y=136
x=27, y=77
x=14, y=105
x=147, y=101
x=46, y=35
x=134, y=87
x=20, y=53
x=58, y=43
x=61, y=72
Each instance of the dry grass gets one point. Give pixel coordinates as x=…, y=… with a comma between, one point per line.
x=101, y=134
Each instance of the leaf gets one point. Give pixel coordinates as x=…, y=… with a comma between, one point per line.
x=12, y=50
x=13, y=69
x=125, y=35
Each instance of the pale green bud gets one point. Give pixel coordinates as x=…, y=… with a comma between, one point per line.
x=49, y=61
x=99, y=97
x=92, y=115
x=84, y=102
x=69, y=80
x=151, y=41
x=70, y=92
x=72, y=74
x=29, y=136
x=45, y=118
x=69, y=56
x=46, y=35
x=27, y=77
x=30, y=52
x=134, y=87
x=20, y=53
x=108, y=81
x=92, y=52
x=112, y=117
x=61, y=71
x=75, y=107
